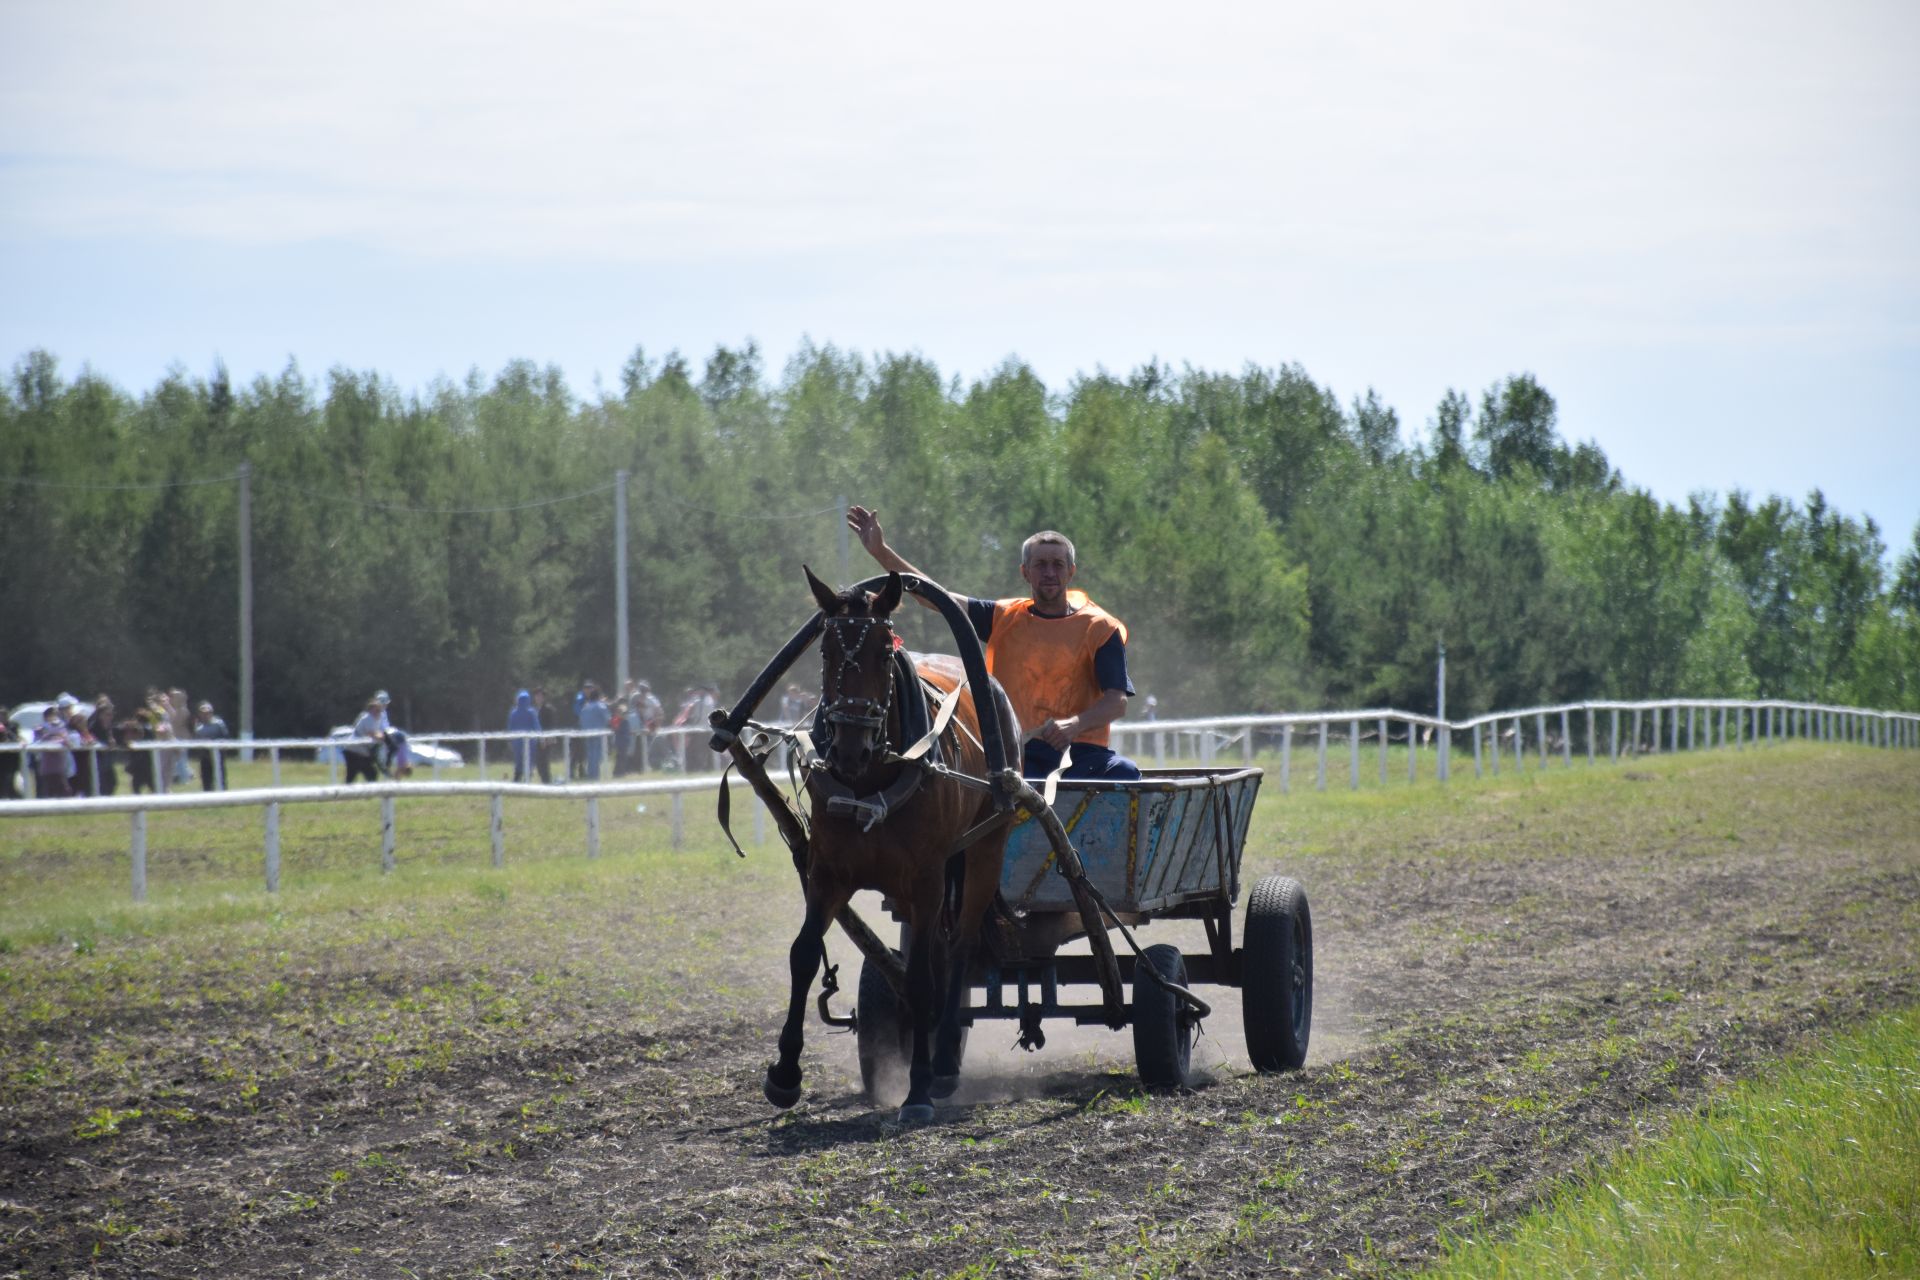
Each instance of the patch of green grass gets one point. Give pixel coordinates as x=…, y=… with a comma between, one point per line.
x=1812, y=1170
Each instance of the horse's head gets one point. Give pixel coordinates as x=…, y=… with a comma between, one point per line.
x=856, y=682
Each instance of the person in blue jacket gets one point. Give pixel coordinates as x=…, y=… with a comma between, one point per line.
x=596, y=718
x=525, y=719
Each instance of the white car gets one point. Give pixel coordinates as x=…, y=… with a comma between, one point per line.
x=425, y=754
x=29, y=716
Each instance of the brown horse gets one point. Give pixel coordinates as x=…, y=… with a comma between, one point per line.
x=904, y=854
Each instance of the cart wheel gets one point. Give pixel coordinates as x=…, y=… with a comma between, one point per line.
x=1276, y=974
x=1162, y=1026
x=884, y=1038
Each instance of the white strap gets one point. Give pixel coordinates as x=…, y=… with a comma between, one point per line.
x=1052, y=783
x=941, y=719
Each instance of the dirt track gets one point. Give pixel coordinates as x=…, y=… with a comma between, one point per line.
x=1529, y=987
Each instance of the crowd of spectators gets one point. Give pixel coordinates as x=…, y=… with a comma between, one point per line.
x=624, y=732
x=76, y=749
x=79, y=749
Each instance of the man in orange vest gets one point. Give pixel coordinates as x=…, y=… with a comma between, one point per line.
x=1061, y=658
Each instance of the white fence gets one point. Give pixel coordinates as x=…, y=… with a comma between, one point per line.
x=1528, y=737
x=672, y=750
x=1707, y=722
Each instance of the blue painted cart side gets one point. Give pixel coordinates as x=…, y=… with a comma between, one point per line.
x=1169, y=844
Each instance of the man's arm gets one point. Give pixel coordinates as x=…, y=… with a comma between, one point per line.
x=866, y=527
x=1108, y=707
x=1110, y=671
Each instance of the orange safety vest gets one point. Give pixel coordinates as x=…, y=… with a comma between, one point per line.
x=1046, y=664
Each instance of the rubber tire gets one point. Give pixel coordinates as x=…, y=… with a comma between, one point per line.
x=884, y=1036
x=1162, y=1032
x=1276, y=974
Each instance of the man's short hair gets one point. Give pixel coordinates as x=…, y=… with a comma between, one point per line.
x=1046, y=535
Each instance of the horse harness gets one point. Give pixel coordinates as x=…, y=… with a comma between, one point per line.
x=924, y=756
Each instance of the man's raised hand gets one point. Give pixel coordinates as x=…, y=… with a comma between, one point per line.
x=866, y=527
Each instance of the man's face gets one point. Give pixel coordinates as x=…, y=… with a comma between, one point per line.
x=1049, y=571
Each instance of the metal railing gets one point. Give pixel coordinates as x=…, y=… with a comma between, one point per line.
x=1660, y=726
x=273, y=799
x=1671, y=724
x=677, y=749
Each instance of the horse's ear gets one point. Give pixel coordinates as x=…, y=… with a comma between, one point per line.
x=829, y=600
x=887, y=599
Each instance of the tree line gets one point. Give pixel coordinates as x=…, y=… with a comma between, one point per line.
x=1269, y=547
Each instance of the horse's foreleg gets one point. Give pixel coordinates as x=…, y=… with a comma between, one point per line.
x=921, y=1000
x=782, y=1085
x=949, y=967
x=946, y=1037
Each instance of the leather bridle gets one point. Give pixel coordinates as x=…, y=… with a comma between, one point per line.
x=853, y=711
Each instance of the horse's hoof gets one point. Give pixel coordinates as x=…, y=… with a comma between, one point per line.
x=916, y=1113
x=944, y=1086
x=780, y=1095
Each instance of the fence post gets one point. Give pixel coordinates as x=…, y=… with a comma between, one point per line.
x=1653, y=744
x=1476, y=750
x=1246, y=751
x=1383, y=748
x=679, y=819
x=1320, y=782
x=1493, y=743
x=1566, y=740
x=273, y=847
x=1446, y=749
x=333, y=765
x=1613, y=736
x=1159, y=751
x=497, y=829
x=1690, y=710
x=566, y=757
x=1519, y=745
x=386, y=834
x=1413, y=753
x=1353, y=752
x=482, y=743
x=139, y=852
x=273, y=757
x=1286, y=760
x=593, y=826
x=1589, y=735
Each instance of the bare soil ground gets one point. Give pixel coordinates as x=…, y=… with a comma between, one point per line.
x=1511, y=982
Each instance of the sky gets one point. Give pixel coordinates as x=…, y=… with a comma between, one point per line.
x=1697, y=225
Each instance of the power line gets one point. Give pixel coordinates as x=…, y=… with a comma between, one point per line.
x=346, y=500
x=729, y=515
x=37, y=483
x=342, y=499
